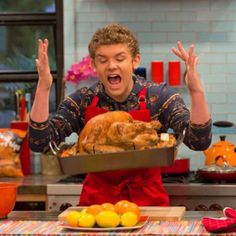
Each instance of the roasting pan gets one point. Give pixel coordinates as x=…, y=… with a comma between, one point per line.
x=148, y=158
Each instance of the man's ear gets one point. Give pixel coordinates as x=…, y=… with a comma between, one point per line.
x=136, y=61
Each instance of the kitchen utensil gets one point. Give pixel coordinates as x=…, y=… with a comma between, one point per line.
x=148, y=158
x=174, y=73
x=221, y=148
x=143, y=220
x=157, y=68
x=7, y=198
x=223, y=123
x=217, y=172
x=154, y=213
x=117, y=160
x=180, y=166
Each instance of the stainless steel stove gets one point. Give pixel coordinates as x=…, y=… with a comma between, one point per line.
x=184, y=190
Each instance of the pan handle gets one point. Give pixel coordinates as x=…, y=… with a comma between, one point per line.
x=180, y=138
x=54, y=148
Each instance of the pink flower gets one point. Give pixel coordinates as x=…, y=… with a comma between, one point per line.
x=81, y=71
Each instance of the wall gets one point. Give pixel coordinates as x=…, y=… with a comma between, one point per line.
x=159, y=24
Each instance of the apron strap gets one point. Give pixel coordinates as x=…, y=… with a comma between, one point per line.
x=142, y=99
x=94, y=101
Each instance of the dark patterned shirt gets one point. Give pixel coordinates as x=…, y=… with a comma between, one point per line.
x=165, y=105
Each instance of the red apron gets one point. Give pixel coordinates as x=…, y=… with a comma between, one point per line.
x=142, y=186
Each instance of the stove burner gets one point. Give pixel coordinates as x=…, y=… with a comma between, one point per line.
x=185, y=178
x=191, y=177
x=79, y=178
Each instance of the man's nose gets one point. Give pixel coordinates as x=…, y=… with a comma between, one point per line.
x=112, y=65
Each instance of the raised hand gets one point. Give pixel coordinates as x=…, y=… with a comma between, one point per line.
x=192, y=77
x=45, y=77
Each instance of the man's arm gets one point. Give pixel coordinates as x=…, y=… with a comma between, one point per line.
x=199, y=113
x=40, y=109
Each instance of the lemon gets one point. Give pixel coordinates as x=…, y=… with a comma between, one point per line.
x=84, y=210
x=86, y=220
x=107, y=219
x=129, y=219
x=72, y=218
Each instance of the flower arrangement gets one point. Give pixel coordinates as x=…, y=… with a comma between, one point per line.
x=81, y=70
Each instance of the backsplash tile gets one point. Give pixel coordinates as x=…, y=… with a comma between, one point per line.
x=210, y=25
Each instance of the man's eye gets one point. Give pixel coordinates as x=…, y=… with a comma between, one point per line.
x=120, y=59
x=102, y=61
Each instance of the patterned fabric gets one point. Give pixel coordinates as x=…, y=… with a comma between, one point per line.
x=51, y=228
x=165, y=105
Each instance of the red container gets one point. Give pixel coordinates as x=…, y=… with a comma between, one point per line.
x=180, y=166
x=174, y=73
x=157, y=71
x=8, y=193
x=24, y=151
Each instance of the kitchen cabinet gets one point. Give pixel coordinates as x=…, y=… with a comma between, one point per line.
x=21, y=26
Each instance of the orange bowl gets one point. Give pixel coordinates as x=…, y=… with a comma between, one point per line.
x=7, y=198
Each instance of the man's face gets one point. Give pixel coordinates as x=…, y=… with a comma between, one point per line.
x=114, y=65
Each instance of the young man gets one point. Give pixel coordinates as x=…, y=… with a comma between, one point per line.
x=115, y=54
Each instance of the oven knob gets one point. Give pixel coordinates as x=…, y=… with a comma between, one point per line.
x=215, y=207
x=201, y=207
x=64, y=206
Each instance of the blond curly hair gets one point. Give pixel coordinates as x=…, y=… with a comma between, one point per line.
x=113, y=34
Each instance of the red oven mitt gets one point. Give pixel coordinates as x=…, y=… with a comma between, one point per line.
x=229, y=212
x=219, y=225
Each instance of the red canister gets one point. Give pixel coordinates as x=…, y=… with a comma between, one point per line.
x=24, y=151
x=174, y=72
x=157, y=71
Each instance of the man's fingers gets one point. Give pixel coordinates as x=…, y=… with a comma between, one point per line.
x=40, y=49
x=176, y=52
x=45, y=45
x=182, y=50
x=191, y=51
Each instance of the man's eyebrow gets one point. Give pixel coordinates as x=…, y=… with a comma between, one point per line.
x=100, y=55
x=118, y=54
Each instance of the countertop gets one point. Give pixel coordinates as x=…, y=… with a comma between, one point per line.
x=31, y=184
x=45, y=223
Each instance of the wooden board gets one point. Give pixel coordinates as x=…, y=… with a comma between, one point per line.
x=155, y=213
x=164, y=213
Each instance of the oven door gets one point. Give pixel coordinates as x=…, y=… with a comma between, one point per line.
x=61, y=202
x=63, y=195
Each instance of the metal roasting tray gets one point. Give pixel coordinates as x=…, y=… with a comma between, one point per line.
x=147, y=158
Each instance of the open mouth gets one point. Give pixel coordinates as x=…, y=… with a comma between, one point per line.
x=114, y=79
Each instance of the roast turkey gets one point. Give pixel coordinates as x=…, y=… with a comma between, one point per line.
x=116, y=131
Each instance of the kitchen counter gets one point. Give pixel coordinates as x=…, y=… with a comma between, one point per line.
x=34, y=188
x=45, y=223
x=31, y=190
x=32, y=184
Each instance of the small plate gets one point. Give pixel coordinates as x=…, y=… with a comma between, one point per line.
x=140, y=224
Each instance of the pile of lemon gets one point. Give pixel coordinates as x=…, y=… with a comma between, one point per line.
x=107, y=215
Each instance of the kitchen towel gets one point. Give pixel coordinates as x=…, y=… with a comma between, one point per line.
x=226, y=224
x=157, y=71
x=229, y=212
x=219, y=225
x=174, y=73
